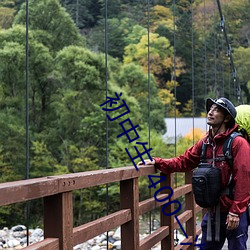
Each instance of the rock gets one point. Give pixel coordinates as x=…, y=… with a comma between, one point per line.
x=95, y=248
x=103, y=243
x=18, y=228
x=117, y=244
x=81, y=246
x=117, y=235
x=38, y=232
x=111, y=239
x=91, y=242
x=111, y=233
x=13, y=243
x=3, y=233
x=100, y=238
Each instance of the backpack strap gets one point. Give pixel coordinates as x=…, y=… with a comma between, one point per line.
x=203, y=152
x=227, y=148
x=227, y=151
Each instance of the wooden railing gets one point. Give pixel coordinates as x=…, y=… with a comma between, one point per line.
x=59, y=232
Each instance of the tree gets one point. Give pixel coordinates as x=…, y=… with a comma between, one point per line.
x=53, y=25
x=6, y=17
x=40, y=60
x=84, y=13
x=161, y=57
x=118, y=31
x=132, y=78
x=242, y=64
x=161, y=16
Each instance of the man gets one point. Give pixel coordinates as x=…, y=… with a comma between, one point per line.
x=221, y=115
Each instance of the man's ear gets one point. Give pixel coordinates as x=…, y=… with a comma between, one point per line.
x=228, y=118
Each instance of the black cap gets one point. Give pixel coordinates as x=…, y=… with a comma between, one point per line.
x=223, y=103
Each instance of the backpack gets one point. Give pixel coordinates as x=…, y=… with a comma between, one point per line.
x=243, y=120
x=206, y=179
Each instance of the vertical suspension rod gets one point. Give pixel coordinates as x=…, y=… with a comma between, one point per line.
x=148, y=5
x=106, y=82
x=229, y=52
x=27, y=113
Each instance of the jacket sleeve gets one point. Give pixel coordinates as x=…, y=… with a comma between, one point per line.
x=241, y=175
x=185, y=162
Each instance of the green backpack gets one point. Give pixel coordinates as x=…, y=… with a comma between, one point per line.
x=243, y=120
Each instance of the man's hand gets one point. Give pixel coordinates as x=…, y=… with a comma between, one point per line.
x=232, y=222
x=147, y=162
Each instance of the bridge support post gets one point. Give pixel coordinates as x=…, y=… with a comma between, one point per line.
x=129, y=198
x=58, y=219
x=190, y=205
x=168, y=242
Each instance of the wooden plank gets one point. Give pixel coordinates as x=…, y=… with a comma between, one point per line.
x=46, y=244
x=154, y=238
x=90, y=230
x=185, y=216
x=150, y=204
x=99, y=177
x=185, y=189
x=24, y=190
x=58, y=219
x=129, y=196
x=185, y=247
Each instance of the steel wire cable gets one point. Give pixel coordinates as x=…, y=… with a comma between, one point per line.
x=149, y=123
x=27, y=204
x=236, y=82
x=106, y=83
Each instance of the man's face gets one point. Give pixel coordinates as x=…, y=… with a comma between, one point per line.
x=215, y=116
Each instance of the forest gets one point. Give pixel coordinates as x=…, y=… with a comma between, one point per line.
x=165, y=57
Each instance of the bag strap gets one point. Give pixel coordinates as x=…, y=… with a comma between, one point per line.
x=203, y=152
x=227, y=148
x=227, y=151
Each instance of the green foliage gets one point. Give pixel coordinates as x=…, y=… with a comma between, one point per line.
x=13, y=148
x=53, y=25
x=118, y=32
x=242, y=63
x=136, y=83
x=6, y=17
x=84, y=13
x=42, y=162
x=81, y=160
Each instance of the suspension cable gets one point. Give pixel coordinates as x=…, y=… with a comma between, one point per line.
x=174, y=74
x=27, y=207
x=175, y=95
x=205, y=50
x=222, y=68
x=215, y=52
x=148, y=27
x=149, y=121
x=192, y=77
x=229, y=53
x=106, y=82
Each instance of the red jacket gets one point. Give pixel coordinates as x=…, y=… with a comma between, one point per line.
x=241, y=167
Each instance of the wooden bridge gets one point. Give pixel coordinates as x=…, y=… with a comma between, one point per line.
x=56, y=192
